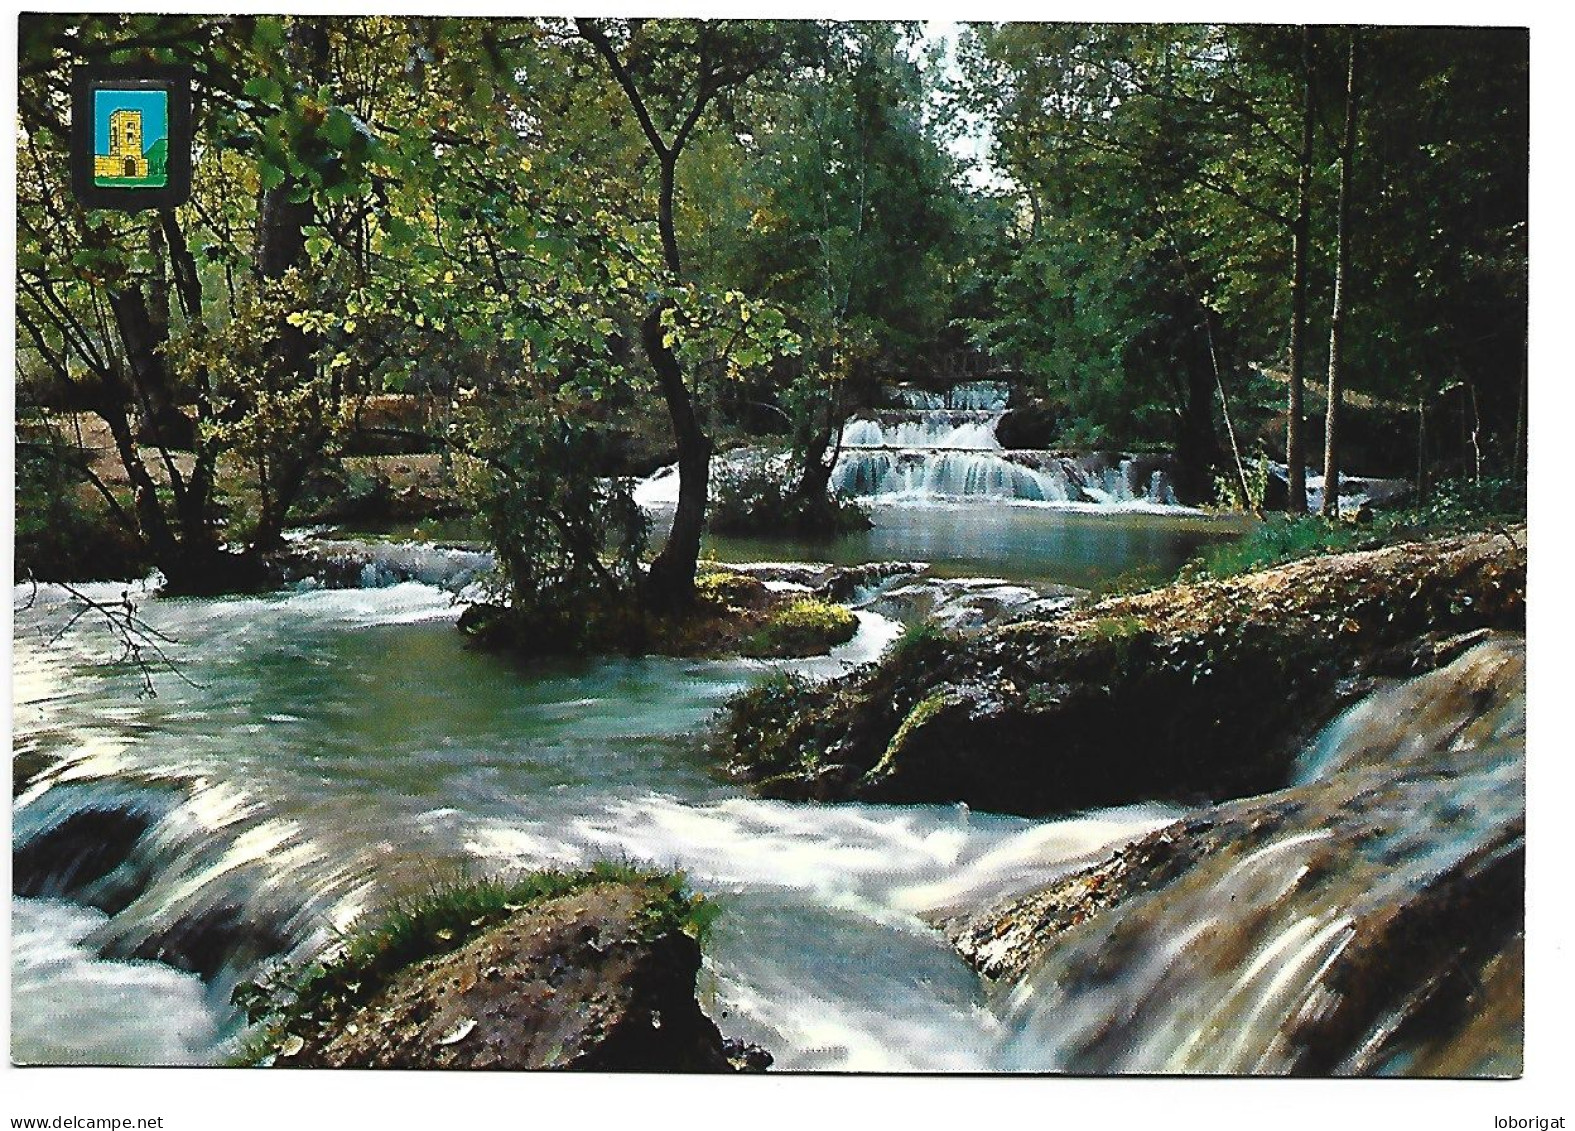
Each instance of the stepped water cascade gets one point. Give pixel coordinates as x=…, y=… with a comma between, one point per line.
x=942, y=446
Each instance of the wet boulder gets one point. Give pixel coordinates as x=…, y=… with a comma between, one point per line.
x=970, y=603
x=583, y=981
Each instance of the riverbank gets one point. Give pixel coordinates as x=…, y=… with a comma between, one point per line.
x=1190, y=692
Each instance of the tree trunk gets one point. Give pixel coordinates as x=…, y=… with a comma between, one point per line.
x=1342, y=257
x=196, y=521
x=281, y=245
x=1295, y=456
x=671, y=582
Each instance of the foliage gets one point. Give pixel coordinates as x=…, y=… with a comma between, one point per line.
x=562, y=224
x=1455, y=506
x=920, y=643
x=308, y=1001
x=754, y=718
x=757, y=497
x=1151, y=268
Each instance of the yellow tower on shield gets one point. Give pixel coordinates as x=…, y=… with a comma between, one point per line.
x=124, y=161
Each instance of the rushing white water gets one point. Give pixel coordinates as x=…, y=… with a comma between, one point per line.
x=78, y=1008
x=337, y=748
x=987, y=395
x=1224, y=971
x=926, y=429
x=325, y=751
x=943, y=446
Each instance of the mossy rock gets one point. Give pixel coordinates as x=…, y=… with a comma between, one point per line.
x=581, y=970
x=1191, y=693
x=724, y=590
x=803, y=627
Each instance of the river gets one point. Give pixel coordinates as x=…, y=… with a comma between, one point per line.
x=322, y=752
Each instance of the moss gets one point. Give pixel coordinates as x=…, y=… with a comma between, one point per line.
x=923, y=712
x=1123, y=627
x=724, y=590
x=803, y=627
x=308, y=1000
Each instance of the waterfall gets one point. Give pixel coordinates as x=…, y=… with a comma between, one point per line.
x=357, y=564
x=990, y=396
x=943, y=446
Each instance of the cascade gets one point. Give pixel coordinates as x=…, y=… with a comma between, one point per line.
x=1409, y=809
x=942, y=446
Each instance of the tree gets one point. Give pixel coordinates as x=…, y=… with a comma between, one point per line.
x=671, y=73
x=1342, y=254
x=121, y=312
x=853, y=223
x=1216, y=137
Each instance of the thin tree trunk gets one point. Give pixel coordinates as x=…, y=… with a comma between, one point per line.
x=1295, y=455
x=1342, y=257
x=281, y=245
x=1421, y=448
x=1517, y=466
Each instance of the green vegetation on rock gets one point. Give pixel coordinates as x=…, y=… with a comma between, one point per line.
x=1189, y=692
x=310, y=1001
x=803, y=627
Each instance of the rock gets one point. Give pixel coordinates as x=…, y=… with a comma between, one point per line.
x=1387, y=881
x=1189, y=693
x=77, y=852
x=826, y=581
x=1028, y=426
x=969, y=604
x=577, y=982
x=746, y=1057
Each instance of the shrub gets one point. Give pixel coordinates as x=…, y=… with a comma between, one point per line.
x=759, y=497
x=568, y=544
